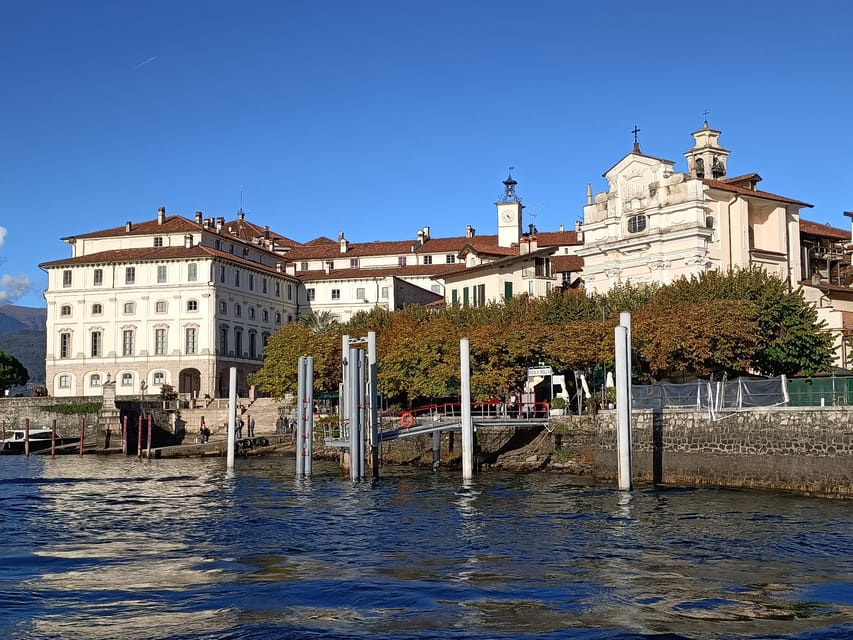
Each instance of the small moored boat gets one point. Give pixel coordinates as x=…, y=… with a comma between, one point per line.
x=40, y=439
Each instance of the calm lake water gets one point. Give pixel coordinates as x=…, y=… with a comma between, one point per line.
x=110, y=547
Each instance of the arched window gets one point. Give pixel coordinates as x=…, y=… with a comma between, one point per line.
x=637, y=223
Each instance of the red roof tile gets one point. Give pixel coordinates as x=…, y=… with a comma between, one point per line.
x=725, y=186
x=823, y=230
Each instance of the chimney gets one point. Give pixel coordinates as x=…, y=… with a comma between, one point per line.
x=291, y=268
x=128, y=226
x=278, y=267
x=562, y=228
x=420, y=238
x=266, y=232
x=469, y=231
x=161, y=215
x=589, y=193
x=220, y=222
x=188, y=241
x=577, y=226
x=241, y=215
x=342, y=242
x=198, y=217
x=524, y=246
x=426, y=234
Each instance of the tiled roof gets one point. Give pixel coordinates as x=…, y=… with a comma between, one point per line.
x=420, y=270
x=556, y=238
x=562, y=263
x=725, y=186
x=247, y=230
x=496, y=264
x=158, y=254
x=171, y=224
x=823, y=230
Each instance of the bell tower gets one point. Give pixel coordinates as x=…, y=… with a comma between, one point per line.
x=707, y=159
x=509, y=214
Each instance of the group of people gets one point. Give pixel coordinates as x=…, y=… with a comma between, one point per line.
x=204, y=430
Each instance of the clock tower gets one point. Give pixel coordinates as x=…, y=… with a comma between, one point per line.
x=509, y=214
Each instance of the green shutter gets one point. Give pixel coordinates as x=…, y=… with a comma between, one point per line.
x=507, y=290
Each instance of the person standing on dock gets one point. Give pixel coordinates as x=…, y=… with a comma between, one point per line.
x=251, y=427
x=238, y=432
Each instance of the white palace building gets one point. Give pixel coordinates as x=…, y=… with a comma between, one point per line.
x=179, y=301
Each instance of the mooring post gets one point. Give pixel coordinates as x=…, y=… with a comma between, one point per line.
x=625, y=321
x=124, y=436
x=82, y=435
x=139, y=438
x=53, y=438
x=300, y=416
x=436, y=449
x=373, y=400
x=27, y=438
x=232, y=417
x=467, y=422
x=355, y=378
x=150, y=434
x=623, y=409
x=308, y=430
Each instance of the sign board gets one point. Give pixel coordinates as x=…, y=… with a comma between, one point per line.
x=540, y=371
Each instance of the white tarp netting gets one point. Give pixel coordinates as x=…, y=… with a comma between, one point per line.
x=714, y=396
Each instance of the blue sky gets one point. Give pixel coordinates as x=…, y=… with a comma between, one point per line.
x=379, y=117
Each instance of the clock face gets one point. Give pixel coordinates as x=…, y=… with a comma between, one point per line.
x=507, y=216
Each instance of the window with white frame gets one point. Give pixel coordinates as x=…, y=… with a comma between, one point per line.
x=95, y=380
x=401, y=261
x=127, y=379
x=129, y=307
x=160, y=307
x=336, y=294
x=303, y=266
x=64, y=345
x=192, y=305
x=159, y=342
x=98, y=277
x=65, y=310
x=427, y=259
x=97, y=344
x=190, y=341
x=450, y=258
x=637, y=223
x=66, y=278
x=158, y=241
x=64, y=381
x=384, y=293
x=159, y=378
x=192, y=272
x=310, y=292
x=353, y=263
x=127, y=342
x=129, y=275
x=161, y=273
x=359, y=293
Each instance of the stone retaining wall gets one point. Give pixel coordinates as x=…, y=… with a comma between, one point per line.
x=803, y=449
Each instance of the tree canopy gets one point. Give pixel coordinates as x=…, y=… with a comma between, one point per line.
x=733, y=323
x=12, y=372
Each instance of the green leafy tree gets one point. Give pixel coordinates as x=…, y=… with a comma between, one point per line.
x=318, y=321
x=12, y=372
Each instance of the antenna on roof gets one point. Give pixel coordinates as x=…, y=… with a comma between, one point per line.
x=241, y=199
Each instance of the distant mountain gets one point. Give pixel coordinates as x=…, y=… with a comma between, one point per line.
x=23, y=334
x=14, y=318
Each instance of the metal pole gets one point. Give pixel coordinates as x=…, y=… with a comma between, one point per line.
x=373, y=399
x=300, y=417
x=436, y=449
x=625, y=321
x=150, y=421
x=308, y=427
x=623, y=409
x=139, y=438
x=53, y=438
x=352, y=413
x=27, y=438
x=124, y=435
x=467, y=422
x=82, y=435
x=232, y=416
